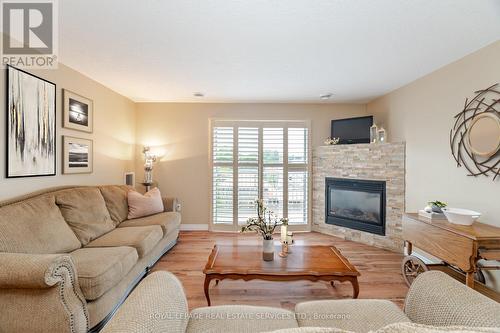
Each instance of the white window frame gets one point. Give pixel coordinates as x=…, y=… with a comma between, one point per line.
x=285, y=124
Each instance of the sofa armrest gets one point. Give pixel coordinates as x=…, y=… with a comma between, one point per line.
x=170, y=204
x=157, y=305
x=20, y=270
x=40, y=293
x=437, y=299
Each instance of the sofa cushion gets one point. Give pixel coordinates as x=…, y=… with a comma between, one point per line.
x=35, y=226
x=144, y=205
x=239, y=318
x=169, y=221
x=85, y=211
x=351, y=315
x=100, y=269
x=143, y=239
x=115, y=197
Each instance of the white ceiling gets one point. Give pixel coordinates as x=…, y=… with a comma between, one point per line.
x=268, y=50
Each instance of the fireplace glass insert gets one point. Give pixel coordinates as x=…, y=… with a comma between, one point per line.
x=356, y=204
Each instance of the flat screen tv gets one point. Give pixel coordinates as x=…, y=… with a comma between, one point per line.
x=352, y=130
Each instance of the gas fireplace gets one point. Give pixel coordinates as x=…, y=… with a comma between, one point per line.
x=356, y=204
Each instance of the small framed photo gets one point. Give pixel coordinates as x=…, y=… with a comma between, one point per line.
x=78, y=155
x=78, y=112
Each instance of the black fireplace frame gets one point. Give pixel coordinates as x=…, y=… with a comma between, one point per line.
x=375, y=186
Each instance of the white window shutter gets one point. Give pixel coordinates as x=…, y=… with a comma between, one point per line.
x=222, y=176
x=273, y=145
x=297, y=197
x=297, y=145
x=222, y=145
x=248, y=172
x=252, y=159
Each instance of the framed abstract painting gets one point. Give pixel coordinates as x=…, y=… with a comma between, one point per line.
x=31, y=125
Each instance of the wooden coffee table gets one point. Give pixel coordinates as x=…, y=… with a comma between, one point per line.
x=313, y=263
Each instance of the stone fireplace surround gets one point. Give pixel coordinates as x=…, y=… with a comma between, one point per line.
x=378, y=161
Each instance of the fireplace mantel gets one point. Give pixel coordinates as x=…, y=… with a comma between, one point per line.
x=379, y=161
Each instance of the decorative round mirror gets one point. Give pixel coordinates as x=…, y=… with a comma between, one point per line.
x=475, y=136
x=483, y=136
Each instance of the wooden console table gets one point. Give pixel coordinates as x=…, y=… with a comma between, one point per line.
x=313, y=263
x=456, y=245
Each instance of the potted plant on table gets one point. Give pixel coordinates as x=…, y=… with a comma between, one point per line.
x=264, y=224
x=436, y=206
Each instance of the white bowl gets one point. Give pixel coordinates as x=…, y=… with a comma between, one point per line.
x=461, y=216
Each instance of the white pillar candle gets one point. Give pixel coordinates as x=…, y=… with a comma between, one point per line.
x=284, y=233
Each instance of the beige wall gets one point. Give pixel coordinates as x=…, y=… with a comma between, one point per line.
x=181, y=131
x=114, y=134
x=421, y=114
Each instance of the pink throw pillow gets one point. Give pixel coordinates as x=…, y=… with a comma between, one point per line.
x=143, y=205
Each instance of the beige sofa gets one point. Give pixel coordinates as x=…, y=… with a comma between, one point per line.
x=435, y=300
x=69, y=256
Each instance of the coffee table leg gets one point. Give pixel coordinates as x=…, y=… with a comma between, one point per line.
x=205, y=287
x=355, y=287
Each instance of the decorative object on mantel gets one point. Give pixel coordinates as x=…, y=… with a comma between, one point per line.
x=331, y=141
x=264, y=224
x=381, y=135
x=475, y=136
x=374, y=133
x=461, y=216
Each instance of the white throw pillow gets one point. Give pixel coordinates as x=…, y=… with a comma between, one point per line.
x=143, y=205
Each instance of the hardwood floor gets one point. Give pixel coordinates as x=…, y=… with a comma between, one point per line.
x=380, y=273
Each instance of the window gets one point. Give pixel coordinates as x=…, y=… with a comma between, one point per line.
x=251, y=160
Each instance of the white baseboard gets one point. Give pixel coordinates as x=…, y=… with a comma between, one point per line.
x=194, y=227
